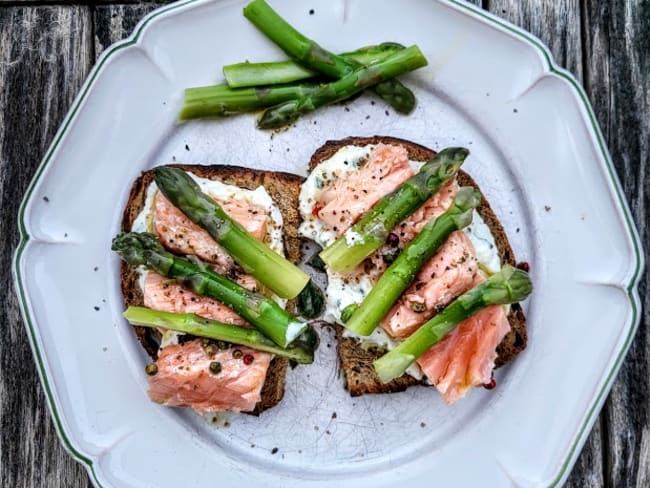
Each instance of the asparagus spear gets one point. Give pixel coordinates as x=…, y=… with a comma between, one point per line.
x=195, y=325
x=507, y=286
x=310, y=301
x=310, y=54
x=221, y=100
x=257, y=259
x=242, y=75
x=370, y=232
x=402, y=271
x=142, y=249
x=396, y=64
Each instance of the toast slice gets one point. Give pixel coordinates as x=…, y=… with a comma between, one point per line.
x=284, y=189
x=356, y=361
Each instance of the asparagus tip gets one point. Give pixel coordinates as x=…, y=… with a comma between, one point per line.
x=348, y=312
x=515, y=285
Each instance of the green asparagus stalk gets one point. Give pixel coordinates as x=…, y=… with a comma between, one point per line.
x=507, y=286
x=370, y=232
x=396, y=64
x=142, y=249
x=402, y=271
x=221, y=100
x=189, y=323
x=272, y=270
x=243, y=75
x=311, y=55
x=310, y=301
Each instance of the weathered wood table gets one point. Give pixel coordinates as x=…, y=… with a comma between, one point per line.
x=46, y=51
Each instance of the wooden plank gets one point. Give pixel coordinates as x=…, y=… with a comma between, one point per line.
x=588, y=470
x=45, y=53
x=558, y=25
x=115, y=22
x=618, y=84
x=555, y=22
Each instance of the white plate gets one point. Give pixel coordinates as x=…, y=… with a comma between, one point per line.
x=537, y=154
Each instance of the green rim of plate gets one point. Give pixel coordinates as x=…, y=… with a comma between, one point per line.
x=475, y=12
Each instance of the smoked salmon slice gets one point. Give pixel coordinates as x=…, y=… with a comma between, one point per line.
x=166, y=295
x=411, y=226
x=433, y=208
x=184, y=377
x=209, y=380
x=180, y=235
x=465, y=358
x=354, y=193
x=449, y=273
x=189, y=374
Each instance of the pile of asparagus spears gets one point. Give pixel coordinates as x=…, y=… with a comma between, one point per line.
x=314, y=78
x=277, y=331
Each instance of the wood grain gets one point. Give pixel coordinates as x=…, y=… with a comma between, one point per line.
x=555, y=22
x=115, y=22
x=588, y=471
x=618, y=83
x=44, y=57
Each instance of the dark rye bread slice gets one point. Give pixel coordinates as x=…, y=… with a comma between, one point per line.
x=284, y=189
x=356, y=362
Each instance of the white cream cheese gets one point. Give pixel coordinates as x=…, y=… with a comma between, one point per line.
x=144, y=221
x=169, y=337
x=293, y=330
x=344, y=290
x=345, y=160
x=485, y=246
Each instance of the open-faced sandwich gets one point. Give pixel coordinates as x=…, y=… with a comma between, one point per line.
x=417, y=264
x=206, y=283
x=422, y=286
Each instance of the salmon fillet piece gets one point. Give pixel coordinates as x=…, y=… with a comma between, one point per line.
x=184, y=378
x=166, y=295
x=354, y=193
x=433, y=208
x=449, y=273
x=180, y=235
x=465, y=358
x=412, y=226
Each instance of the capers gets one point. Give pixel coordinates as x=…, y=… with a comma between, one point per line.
x=392, y=240
x=215, y=367
x=151, y=369
x=210, y=350
x=237, y=354
x=390, y=255
x=418, y=307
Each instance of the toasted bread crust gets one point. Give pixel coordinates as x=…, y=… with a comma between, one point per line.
x=356, y=362
x=284, y=189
